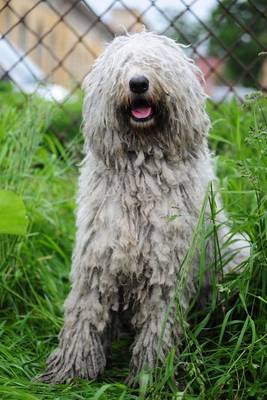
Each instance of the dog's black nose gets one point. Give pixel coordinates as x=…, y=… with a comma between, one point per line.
x=139, y=84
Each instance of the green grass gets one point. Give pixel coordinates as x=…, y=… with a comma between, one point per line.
x=224, y=350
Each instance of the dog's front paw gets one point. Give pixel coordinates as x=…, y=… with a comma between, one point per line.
x=57, y=369
x=75, y=358
x=142, y=365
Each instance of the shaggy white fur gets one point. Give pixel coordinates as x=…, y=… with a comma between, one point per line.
x=128, y=253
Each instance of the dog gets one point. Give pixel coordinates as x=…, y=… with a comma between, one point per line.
x=146, y=155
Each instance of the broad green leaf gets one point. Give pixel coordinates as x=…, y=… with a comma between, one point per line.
x=13, y=219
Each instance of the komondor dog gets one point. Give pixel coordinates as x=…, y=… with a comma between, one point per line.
x=147, y=158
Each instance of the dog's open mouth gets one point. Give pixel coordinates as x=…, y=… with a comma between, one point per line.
x=141, y=111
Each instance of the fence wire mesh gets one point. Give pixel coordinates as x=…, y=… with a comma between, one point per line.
x=47, y=46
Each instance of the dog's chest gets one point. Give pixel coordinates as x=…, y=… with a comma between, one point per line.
x=143, y=219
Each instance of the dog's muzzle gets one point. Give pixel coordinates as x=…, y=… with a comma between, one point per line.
x=141, y=110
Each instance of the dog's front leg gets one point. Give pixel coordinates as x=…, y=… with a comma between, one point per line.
x=157, y=332
x=80, y=352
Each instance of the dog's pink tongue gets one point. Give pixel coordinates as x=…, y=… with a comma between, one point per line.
x=141, y=112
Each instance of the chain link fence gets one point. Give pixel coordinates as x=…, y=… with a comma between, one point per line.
x=47, y=46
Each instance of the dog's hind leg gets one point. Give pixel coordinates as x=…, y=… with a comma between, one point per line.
x=234, y=248
x=237, y=252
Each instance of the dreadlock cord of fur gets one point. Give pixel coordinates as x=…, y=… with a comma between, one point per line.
x=145, y=131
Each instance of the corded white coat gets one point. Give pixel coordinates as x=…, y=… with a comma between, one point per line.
x=128, y=250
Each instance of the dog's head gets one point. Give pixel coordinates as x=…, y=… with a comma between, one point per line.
x=141, y=91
